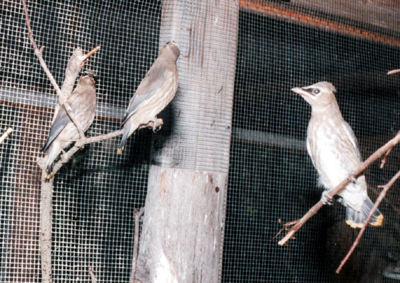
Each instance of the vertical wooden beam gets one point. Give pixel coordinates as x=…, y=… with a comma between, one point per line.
x=183, y=225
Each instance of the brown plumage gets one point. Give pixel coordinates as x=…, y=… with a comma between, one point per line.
x=334, y=152
x=63, y=131
x=154, y=93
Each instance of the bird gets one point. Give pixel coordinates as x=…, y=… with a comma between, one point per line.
x=154, y=93
x=334, y=152
x=63, y=131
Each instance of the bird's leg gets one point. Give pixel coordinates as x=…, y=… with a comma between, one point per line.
x=326, y=198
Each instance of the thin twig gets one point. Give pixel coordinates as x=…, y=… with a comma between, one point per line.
x=393, y=72
x=78, y=145
x=386, y=155
x=37, y=51
x=135, y=243
x=5, y=135
x=387, y=201
x=94, y=279
x=382, y=150
x=374, y=208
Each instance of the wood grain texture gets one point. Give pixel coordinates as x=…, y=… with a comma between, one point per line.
x=201, y=112
x=182, y=234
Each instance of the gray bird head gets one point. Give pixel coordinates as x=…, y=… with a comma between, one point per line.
x=317, y=95
x=88, y=77
x=171, y=49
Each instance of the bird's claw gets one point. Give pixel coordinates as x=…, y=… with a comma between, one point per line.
x=352, y=178
x=326, y=198
x=157, y=124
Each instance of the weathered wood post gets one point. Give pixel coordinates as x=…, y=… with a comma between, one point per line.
x=183, y=226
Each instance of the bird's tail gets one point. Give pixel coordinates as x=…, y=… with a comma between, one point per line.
x=357, y=219
x=125, y=137
x=49, y=171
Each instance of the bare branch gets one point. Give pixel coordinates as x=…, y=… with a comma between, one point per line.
x=79, y=144
x=94, y=279
x=339, y=187
x=135, y=243
x=393, y=72
x=5, y=135
x=374, y=208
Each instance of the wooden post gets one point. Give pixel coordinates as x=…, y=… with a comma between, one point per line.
x=183, y=226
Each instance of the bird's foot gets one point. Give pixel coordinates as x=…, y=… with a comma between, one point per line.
x=352, y=178
x=157, y=124
x=326, y=198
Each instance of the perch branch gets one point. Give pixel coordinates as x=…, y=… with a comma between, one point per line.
x=382, y=150
x=94, y=279
x=79, y=144
x=5, y=135
x=386, y=155
x=135, y=243
x=374, y=208
x=47, y=187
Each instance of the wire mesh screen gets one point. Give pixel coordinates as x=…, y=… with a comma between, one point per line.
x=271, y=176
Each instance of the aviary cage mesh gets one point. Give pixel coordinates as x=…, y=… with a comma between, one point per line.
x=271, y=176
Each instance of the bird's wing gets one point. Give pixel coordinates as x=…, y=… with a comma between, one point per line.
x=62, y=119
x=352, y=137
x=153, y=80
x=309, y=151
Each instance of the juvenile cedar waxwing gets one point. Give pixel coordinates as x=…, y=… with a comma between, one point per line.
x=63, y=131
x=334, y=152
x=154, y=93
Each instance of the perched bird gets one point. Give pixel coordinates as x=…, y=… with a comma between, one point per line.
x=334, y=152
x=63, y=131
x=154, y=93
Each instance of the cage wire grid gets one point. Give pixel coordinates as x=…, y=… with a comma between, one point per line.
x=270, y=174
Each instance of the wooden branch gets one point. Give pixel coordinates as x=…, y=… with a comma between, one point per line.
x=339, y=187
x=79, y=144
x=135, y=243
x=374, y=208
x=92, y=276
x=46, y=208
x=5, y=135
x=72, y=72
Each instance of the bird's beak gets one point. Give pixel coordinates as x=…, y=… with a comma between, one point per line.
x=393, y=72
x=303, y=92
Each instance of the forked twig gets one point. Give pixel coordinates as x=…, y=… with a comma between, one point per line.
x=374, y=208
x=78, y=145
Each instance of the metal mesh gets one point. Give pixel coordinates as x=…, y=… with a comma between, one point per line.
x=271, y=176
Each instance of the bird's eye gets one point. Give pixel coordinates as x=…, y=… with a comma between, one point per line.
x=315, y=91
x=167, y=42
